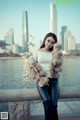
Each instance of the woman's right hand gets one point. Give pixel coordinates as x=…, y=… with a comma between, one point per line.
x=47, y=84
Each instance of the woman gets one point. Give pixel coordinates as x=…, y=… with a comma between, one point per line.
x=49, y=92
x=44, y=70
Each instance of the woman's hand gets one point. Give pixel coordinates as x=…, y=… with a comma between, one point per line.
x=47, y=84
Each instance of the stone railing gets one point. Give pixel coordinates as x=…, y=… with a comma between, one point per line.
x=19, y=100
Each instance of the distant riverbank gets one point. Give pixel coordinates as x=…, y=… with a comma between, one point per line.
x=12, y=58
x=9, y=58
x=71, y=56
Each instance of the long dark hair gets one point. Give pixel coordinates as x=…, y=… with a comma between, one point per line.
x=49, y=35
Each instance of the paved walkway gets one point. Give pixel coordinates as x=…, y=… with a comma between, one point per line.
x=67, y=110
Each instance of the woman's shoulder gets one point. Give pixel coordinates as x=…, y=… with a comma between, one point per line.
x=41, y=49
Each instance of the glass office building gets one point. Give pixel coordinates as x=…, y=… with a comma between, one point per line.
x=25, y=35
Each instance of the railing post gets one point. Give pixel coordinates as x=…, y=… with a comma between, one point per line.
x=19, y=110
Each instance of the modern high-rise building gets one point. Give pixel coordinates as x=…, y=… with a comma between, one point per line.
x=25, y=34
x=9, y=39
x=9, y=36
x=71, y=43
x=63, y=29
x=53, y=18
x=15, y=48
x=67, y=34
x=60, y=38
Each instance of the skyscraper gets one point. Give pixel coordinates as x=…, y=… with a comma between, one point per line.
x=25, y=33
x=71, y=43
x=63, y=29
x=67, y=34
x=53, y=18
x=9, y=36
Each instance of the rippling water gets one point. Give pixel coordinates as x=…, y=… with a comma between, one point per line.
x=11, y=73
x=71, y=72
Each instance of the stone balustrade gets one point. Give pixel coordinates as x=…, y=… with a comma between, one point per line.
x=19, y=100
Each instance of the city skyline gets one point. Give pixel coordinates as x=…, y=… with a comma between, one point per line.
x=39, y=18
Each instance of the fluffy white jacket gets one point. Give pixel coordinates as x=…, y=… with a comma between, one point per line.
x=36, y=71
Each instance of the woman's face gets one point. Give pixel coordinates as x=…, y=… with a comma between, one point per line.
x=49, y=42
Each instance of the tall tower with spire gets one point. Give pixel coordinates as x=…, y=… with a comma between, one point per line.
x=53, y=18
x=25, y=34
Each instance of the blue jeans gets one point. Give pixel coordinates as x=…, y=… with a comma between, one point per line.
x=50, y=92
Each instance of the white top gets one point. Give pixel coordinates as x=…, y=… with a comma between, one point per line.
x=44, y=59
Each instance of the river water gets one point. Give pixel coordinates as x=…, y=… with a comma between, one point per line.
x=11, y=73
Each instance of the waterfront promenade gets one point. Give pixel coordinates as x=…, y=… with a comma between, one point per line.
x=26, y=104
x=67, y=110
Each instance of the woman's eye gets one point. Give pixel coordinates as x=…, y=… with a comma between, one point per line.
x=52, y=42
x=48, y=40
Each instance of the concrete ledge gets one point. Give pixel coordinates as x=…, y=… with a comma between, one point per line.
x=69, y=92
x=32, y=94
x=14, y=95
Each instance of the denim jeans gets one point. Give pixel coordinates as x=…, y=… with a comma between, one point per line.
x=50, y=92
